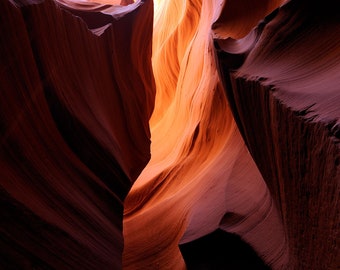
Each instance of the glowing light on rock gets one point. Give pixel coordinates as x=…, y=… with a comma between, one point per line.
x=131, y=131
x=196, y=150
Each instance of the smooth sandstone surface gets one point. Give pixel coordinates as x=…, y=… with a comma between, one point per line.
x=68, y=155
x=134, y=134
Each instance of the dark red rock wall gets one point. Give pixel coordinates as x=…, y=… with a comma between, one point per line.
x=77, y=92
x=68, y=155
x=282, y=82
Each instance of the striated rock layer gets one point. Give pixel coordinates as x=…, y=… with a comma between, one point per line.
x=240, y=99
x=74, y=133
x=201, y=177
x=282, y=82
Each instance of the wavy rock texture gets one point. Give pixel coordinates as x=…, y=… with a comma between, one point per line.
x=201, y=177
x=282, y=82
x=243, y=121
x=74, y=134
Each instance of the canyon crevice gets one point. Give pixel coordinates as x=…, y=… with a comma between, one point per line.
x=135, y=133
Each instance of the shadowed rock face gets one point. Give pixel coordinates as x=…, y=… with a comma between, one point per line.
x=240, y=101
x=282, y=82
x=74, y=134
x=206, y=253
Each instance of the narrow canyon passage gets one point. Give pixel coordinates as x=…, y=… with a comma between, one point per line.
x=168, y=134
x=200, y=169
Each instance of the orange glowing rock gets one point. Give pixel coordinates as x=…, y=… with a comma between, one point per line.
x=134, y=131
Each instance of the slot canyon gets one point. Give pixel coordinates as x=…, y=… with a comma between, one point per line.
x=170, y=134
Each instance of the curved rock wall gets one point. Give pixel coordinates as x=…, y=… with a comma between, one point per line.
x=74, y=134
x=282, y=81
x=201, y=175
x=132, y=128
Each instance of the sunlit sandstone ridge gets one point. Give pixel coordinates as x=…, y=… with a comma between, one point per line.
x=240, y=100
x=200, y=170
